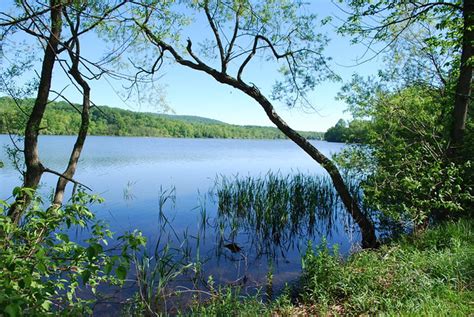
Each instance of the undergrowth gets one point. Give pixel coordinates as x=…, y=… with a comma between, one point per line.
x=429, y=274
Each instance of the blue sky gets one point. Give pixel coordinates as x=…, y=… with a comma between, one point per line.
x=191, y=93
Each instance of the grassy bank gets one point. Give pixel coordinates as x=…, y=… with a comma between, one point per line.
x=430, y=274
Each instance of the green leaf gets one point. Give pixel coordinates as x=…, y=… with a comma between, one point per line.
x=12, y=310
x=85, y=276
x=63, y=237
x=108, y=267
x=16, y=191
x=121, y=272
x=4, y=203
x=11, y=266
x=41, y=267
x=46, y=305
x=91, y=252
x=27, y=280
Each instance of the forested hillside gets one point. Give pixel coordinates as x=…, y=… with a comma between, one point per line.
x=62, y=118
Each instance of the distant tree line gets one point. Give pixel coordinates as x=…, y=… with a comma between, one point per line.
x=62, y=118
x=355, y=131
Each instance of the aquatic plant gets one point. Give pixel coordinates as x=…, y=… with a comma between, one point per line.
x=275, y=208
x=160, y=265
x=427, y=275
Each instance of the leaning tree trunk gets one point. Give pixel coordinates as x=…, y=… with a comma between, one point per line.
x=34, y=168
x=369, y=238
x=464, y=83
x=76, y=151
x=83, y=129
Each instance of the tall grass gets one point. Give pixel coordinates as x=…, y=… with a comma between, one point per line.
x=427, y=275
x=275, y=209
x=159, y=267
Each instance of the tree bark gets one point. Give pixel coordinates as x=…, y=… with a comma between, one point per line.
x=464, y=83
x=34, y=168
x=83, y=129
x=79, y=144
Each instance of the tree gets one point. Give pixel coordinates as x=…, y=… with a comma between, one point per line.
x=34, y=167
x=406, y=174
x=337, y=133
x=58, y=25
x=419, y=128
x=241, y=30
x=386, y=22
x=354, y=131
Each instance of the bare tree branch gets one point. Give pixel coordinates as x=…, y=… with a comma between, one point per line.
x=47, y=170
x=215, y=31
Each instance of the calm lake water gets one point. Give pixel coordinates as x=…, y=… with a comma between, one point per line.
x=130, y=173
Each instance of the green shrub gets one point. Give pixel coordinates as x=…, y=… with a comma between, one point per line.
x=408, y=173
x=42, y=270
x=321, y=273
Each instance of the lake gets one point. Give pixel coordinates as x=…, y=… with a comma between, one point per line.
x=132, y=173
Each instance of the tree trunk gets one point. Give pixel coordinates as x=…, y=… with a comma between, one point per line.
x=369, y=239
x=76, y=152
x=34, y=168
x=83, y=129
x=464, y=83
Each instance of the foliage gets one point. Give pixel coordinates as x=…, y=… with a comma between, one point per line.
x=62, y=118
x=229, y=302
x=434, y=24
x=417, y=167
x=279, y=30
x=426, y=275
x=320, y=273
x=44, y=271
x=154, y=276
x=353, y=132
x=338, y=133
x=405, y=151
x=430, y=274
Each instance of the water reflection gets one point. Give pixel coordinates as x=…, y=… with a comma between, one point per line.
x=268, y=218
x=260, y=227
x=276, y=213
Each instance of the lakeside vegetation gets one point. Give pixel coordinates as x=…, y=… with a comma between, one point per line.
x=276, y=210
x=430, y=274
x=354, y=131
x=406, y=183
x=62, y=118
